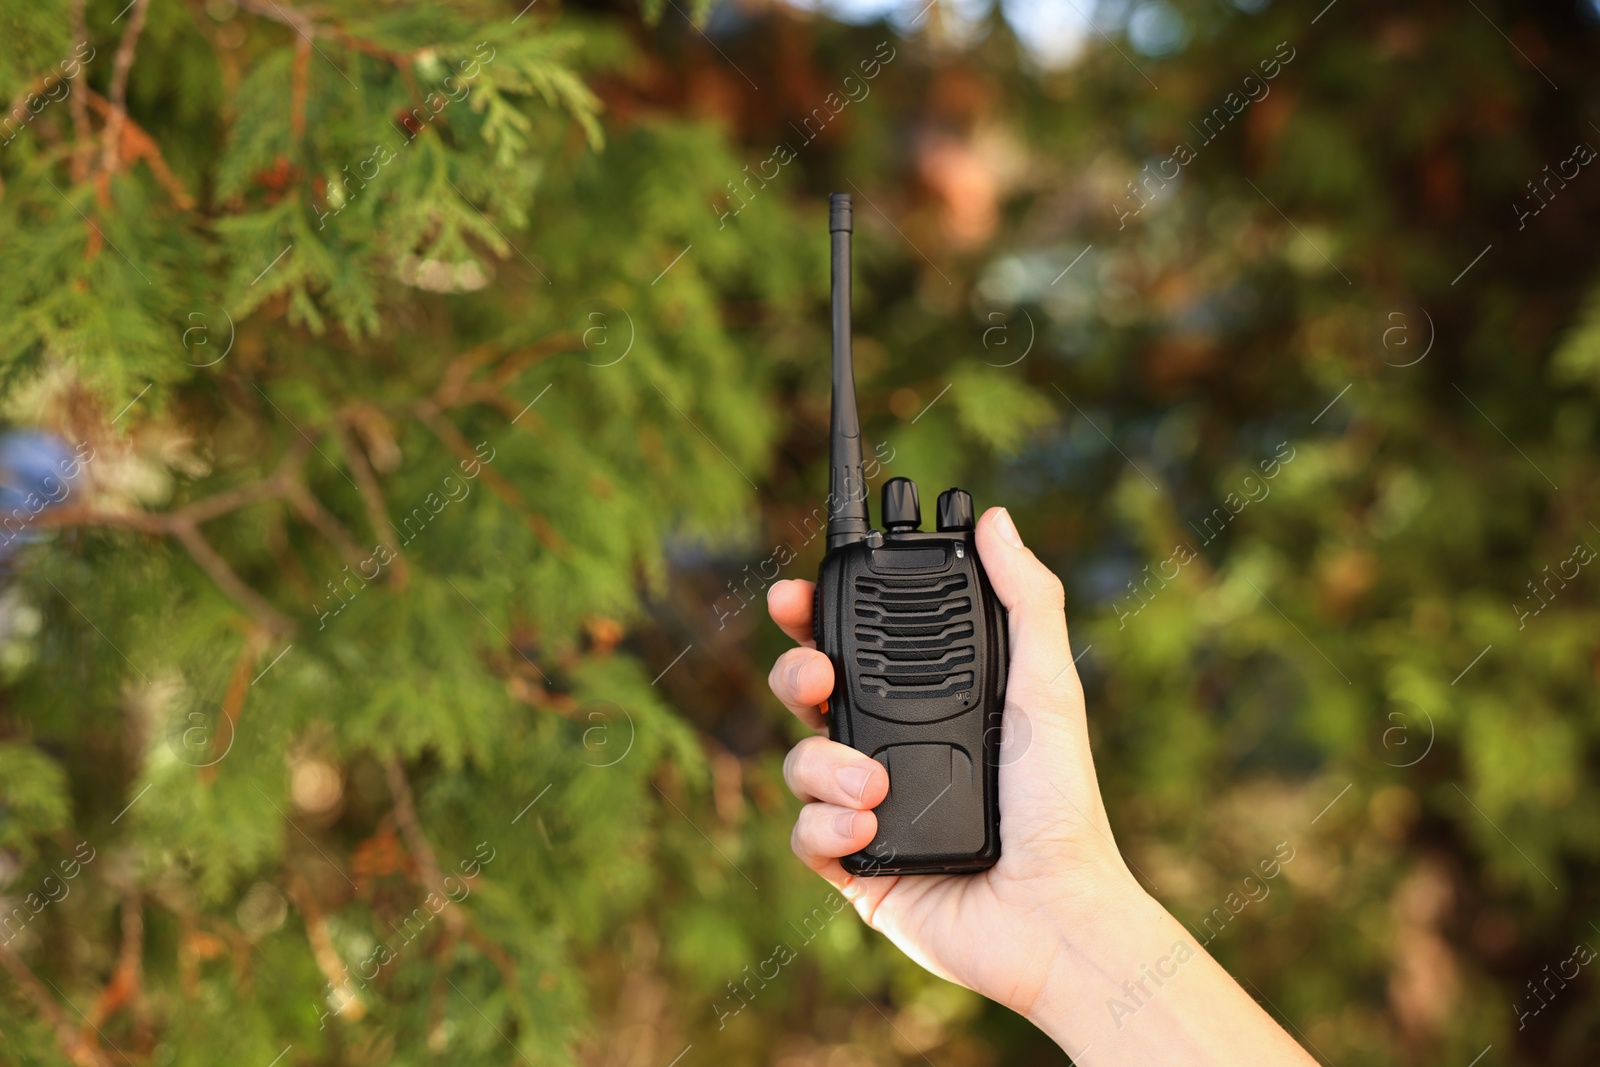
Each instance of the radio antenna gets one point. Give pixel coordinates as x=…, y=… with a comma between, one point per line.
x=847, y=487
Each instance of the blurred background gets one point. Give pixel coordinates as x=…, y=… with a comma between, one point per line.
x=386, y=533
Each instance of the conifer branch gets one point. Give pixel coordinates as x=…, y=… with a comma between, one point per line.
x=436, y=1000
x=501, y=958
x=324, y=951
x=118, y=93
x=72, y=1044
x=298, y=582
x=456, y=389
x=373, y=501
x=456, y=380
x=405, y=813
x=518, y=362
x=226, y=57
x=403, y=65
x=183, y=525
x=311, y=510
x=86, y=515
x=238, y=688
x=240, y=496
x=284, y=13
x=285, y=484
x=138, y=144
x=82, y=135
x=445, y=430
x=186, y=531
x=299, y=87
x=126, y=982
x=277, y=11
x=211, y=561
x=457, y=924
x=401, y=60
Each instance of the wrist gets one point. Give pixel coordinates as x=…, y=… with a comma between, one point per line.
x=1095, y=897
x=1114, y=933
x=1132, y=984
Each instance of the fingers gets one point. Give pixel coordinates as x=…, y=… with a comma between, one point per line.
x=789, y=604
x=820, y=769
x=840, y=786
x=1041, y=658
x=838, y=783
x=824, y=832
x=802, y=678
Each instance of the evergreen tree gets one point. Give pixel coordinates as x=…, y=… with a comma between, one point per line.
x=420, y=399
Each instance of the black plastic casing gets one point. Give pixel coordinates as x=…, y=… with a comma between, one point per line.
x=918, y=644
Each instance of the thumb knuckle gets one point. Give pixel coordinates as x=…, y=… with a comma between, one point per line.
x=1047, y=593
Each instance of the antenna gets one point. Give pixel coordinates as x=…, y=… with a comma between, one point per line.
x=847, y=488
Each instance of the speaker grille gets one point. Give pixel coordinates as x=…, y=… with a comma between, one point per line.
x=913, y=635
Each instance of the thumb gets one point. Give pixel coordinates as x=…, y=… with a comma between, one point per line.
x=1041, y=656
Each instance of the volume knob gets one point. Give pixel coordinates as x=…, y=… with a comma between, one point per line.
x=955, y=510
x=901, y=511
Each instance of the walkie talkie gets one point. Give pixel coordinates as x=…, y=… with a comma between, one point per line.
x=918, y=644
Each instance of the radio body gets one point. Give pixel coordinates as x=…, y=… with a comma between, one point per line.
x=918, y=645
x=917, y=640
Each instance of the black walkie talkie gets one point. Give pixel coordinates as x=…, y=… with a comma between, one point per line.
x=918, y=644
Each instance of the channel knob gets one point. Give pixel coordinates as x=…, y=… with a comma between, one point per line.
x=901, y=511
x=955, y=510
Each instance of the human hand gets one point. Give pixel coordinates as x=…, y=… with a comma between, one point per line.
x=1059, y=867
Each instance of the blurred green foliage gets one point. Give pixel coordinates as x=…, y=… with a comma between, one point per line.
x=453, y=381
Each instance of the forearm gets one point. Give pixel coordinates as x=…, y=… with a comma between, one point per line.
x=1131, y=986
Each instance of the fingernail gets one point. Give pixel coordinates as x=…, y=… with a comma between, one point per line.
x=794, y=676
x=854, y=780
x=844, y=825
x=1007, y=529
